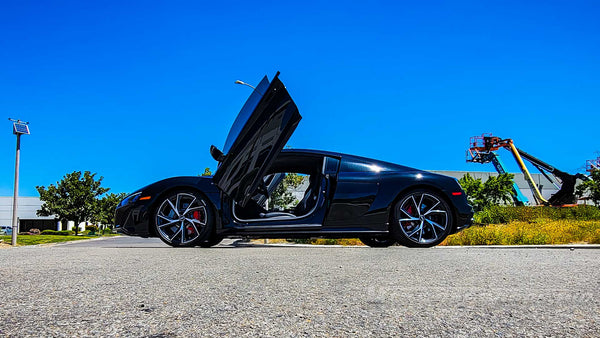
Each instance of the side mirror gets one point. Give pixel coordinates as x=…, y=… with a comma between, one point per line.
x=216, y=154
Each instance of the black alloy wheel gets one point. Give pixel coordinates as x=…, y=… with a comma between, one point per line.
x=422, y=218
x=183, y=219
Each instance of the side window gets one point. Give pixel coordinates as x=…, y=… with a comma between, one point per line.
x=289, y=192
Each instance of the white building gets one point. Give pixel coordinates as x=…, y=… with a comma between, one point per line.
x=26, y=214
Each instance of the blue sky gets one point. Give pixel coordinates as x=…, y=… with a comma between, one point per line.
x=138, y=91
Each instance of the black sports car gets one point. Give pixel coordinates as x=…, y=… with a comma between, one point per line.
x=261, y=190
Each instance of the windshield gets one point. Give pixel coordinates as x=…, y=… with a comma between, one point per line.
x=245, y=113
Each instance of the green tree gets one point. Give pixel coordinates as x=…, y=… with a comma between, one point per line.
x=74, y=198
x=105, y=208
x=591, y=188
x=495, y=190
x=282, y=198
x=207, y=172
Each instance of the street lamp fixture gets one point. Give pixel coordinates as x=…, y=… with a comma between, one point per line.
x=19, y=128
x=245, y=84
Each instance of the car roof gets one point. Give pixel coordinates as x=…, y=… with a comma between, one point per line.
x=313, y=151
x=389, y=165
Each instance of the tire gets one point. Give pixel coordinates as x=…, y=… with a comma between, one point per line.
x=183, y=218
x=421, y=219
x=211, y=241
x=378, y=241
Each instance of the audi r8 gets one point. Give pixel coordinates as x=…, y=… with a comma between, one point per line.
x=261, y=190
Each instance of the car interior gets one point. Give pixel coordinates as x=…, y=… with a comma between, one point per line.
x=289, y=190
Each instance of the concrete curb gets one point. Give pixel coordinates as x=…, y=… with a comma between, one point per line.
x=549, y=246
x=240, y=243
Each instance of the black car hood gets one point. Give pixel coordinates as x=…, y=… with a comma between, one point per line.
x=259, y=133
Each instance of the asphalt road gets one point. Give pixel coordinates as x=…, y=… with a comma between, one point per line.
x=135, y=287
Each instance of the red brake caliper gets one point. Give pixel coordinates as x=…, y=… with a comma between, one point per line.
x=197, y=215
x=190, y=228
x=410, y=212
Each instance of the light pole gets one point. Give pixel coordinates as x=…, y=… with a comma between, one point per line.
x=245, y=84
x=19, y=128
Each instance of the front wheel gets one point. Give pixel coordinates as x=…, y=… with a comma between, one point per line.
x=422, y=218
x=183, y=218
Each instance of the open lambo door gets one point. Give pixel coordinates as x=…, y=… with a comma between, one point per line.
x=259, y=133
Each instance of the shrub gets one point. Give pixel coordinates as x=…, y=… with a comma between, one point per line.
x=595, y=238
x=91, y=228
x=34, y=231
x=106, y=231
x=494, y=191
x=57, y=233
x=506, y=214
x=590, y=188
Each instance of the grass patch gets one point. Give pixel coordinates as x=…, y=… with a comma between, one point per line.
x=314, y=241
x=43, y=239
x=539, y=231
x=329, y=241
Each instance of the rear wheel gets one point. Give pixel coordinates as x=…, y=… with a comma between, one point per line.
x=378, y=241
x=183, y=218
x=422, y=218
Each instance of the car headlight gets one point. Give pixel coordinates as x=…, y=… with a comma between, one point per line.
x=130, y=199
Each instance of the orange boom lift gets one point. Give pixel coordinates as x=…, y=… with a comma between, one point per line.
x=481, y=147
